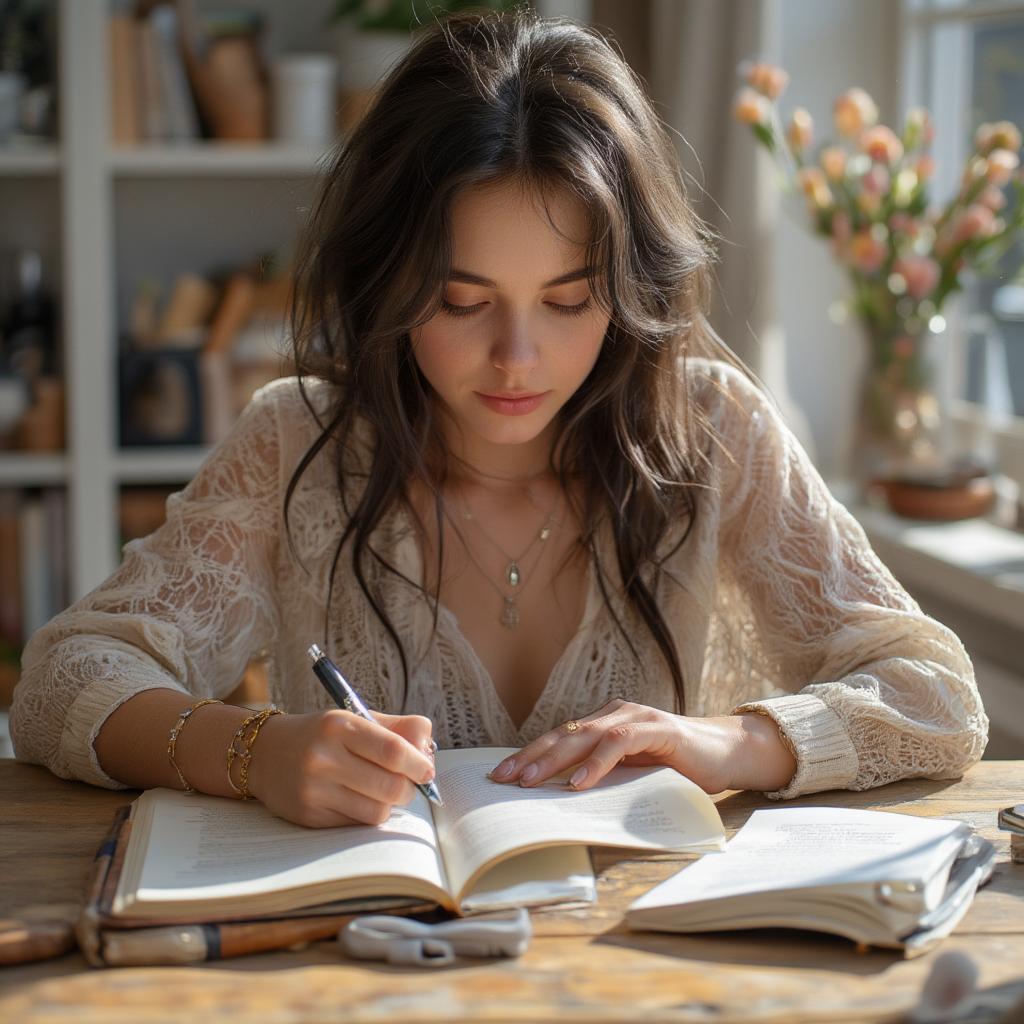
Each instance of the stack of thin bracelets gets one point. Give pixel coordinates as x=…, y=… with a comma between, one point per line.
x=253, y=723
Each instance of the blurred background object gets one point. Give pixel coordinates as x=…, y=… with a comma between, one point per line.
x=27, y=71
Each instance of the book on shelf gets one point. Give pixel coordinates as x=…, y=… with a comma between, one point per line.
x=879, y=878
x=192, y=859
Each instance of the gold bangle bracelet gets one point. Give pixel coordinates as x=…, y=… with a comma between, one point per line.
x=176, y=732
x=245, y=755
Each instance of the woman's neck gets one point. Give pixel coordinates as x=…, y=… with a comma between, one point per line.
x=474, y=461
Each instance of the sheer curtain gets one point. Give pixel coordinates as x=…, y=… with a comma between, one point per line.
x=687, y=51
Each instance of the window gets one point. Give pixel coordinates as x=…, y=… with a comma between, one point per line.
x=964, y=61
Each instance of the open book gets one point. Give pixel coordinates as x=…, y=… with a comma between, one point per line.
x=879, y=878
x=195, y=858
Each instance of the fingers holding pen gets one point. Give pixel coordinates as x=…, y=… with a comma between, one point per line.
x=396, y=743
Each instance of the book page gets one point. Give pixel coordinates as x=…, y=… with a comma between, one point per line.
x=481, y=821
x=803, y=848
x=208, y=848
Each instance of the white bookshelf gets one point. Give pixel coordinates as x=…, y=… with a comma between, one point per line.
x=105, y=215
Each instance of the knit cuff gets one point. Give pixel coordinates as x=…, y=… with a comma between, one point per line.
x=93, y=706
x=815, y=735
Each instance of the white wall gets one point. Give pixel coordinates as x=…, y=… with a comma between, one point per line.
x=827, y=46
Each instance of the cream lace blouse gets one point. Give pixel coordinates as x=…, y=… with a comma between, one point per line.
x=777, y=603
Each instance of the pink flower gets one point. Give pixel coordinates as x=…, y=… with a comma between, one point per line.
x=977, y=221
x=876, y=181
x=833, y=161
x=921, y=274
x=992, y=197
x=881, y=144
x=854, y=111
x=812, y=181
x=751, y=107
x=801, y=130
x=868, y=250
x=997, y=135
x=1001, y=165
x=767, y=79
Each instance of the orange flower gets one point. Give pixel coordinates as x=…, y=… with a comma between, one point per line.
x=814, y=185
x=854, y=111
x=881, y=144
x=833, y=161
x=750, y=107
x=767, y=79
x=801, y=130
x=997, y=135
x=868, y=249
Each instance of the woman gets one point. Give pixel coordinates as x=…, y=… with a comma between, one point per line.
x=517, y=488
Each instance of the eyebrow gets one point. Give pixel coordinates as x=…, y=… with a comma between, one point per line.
x=467, y=278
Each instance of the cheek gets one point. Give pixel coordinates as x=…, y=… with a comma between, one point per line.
x=440, y=358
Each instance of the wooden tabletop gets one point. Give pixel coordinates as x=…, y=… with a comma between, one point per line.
x=582, y=965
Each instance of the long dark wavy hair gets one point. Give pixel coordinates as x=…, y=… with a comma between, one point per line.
x=551, y=105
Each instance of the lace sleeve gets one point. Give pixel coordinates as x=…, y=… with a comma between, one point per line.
x=873, y=689
x=187, y=609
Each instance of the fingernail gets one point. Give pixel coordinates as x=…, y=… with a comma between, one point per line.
x=529, y=773
x=578, y=776
x=502, y=771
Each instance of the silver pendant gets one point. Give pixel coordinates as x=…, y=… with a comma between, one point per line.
x=512, y=574
x=545, y=533
x=510, y=614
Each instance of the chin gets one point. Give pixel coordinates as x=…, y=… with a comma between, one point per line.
x=509, y=430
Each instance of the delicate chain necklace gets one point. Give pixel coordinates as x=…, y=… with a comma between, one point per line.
x=513, y=572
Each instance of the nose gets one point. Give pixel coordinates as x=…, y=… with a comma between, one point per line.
x=513, y=351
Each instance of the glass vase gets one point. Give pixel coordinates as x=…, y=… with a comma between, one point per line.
x=899, y=422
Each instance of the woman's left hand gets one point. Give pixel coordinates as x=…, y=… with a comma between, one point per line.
x=728, y=752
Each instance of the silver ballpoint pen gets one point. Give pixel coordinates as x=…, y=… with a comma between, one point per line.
x=348, y=700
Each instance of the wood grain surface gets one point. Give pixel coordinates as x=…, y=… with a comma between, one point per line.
x=582, y=965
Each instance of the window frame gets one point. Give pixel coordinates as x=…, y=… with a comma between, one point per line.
x=951, y=22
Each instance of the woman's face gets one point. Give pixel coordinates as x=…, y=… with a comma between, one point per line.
x=514, y=339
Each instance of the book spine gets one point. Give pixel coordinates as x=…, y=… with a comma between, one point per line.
x=124, y=79
x=155, y=126
x=183, y=122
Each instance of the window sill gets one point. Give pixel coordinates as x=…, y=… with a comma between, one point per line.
x=972, y=563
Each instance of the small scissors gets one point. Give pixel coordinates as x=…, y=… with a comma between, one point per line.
x=401, y=940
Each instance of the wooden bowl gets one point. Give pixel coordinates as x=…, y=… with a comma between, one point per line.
x=928, y=501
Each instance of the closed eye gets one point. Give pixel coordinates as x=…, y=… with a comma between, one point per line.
x=577, y=310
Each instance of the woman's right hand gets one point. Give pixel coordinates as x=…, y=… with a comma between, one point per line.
x=333, y=768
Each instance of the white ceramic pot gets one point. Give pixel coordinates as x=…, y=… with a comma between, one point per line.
x=303, y=98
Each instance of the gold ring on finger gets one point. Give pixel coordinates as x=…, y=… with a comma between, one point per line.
x=572, y=726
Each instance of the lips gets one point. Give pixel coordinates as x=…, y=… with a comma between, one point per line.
x=509, y=403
